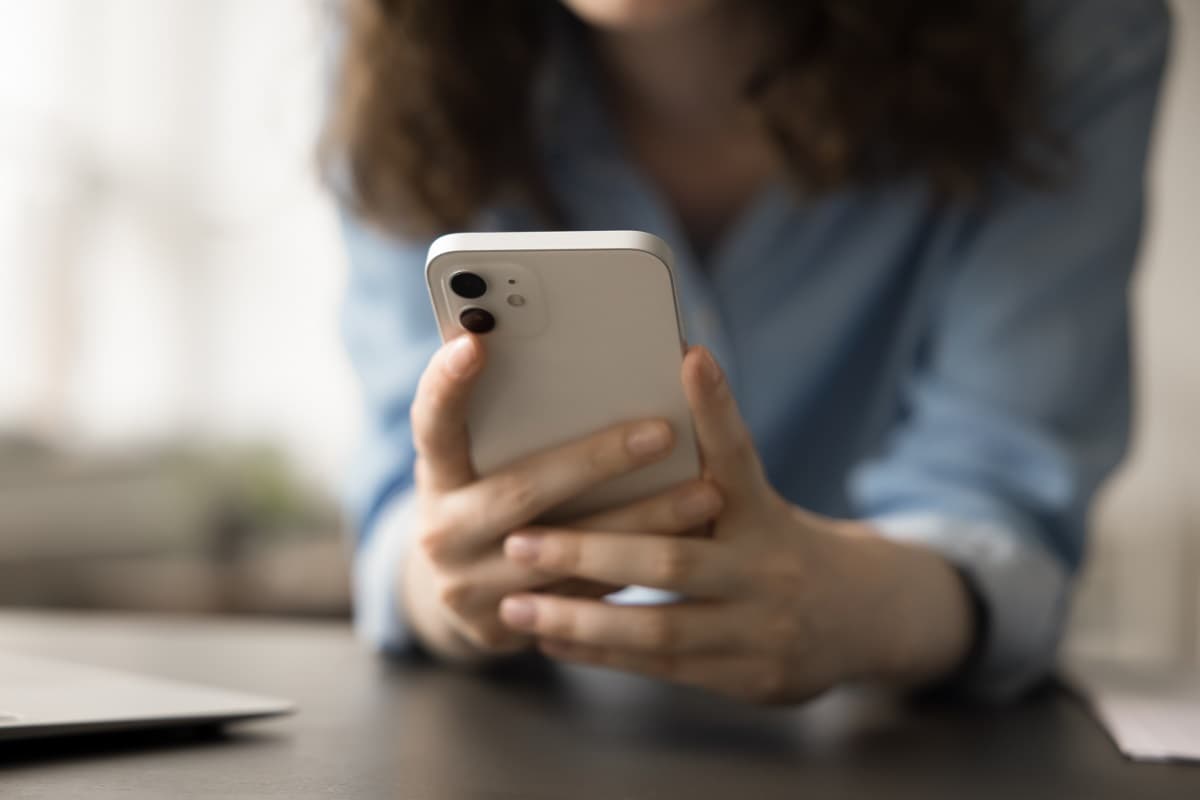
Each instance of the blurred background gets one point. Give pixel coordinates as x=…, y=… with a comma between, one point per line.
x=175, y=410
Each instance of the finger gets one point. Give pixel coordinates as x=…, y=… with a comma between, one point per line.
x=685, y=510
x=725, y=443
x=480, y=586
x=696, y=567
x=676, y=510
x=439, y=414
x=731, y=675
x=489, y=508
x=470, y=601
x=678, y=628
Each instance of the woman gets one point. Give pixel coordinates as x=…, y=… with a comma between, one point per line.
x=904, y=230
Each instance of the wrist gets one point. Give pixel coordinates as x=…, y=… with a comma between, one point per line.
x=916, y=623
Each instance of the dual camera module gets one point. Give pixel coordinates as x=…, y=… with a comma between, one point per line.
x=471, y=286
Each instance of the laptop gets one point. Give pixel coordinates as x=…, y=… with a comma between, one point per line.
x=42, y=697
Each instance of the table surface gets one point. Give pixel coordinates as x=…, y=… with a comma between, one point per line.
x=369, y=728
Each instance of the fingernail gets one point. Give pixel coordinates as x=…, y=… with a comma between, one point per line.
x=522, y=548
x=711, y=372
x=649, y=439
x=699, y=503
x=463, y=356
x=518, y=612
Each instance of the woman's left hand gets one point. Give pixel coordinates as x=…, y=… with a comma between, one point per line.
x=780, y=604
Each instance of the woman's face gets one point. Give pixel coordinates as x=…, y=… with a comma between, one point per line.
x=637, y=14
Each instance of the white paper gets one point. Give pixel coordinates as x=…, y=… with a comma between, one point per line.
x=1152, y=715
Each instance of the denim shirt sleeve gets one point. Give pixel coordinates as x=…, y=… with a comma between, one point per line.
x=390, y=333
x=1020, y=405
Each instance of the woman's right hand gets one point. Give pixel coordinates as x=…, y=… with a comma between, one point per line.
x=454, y=570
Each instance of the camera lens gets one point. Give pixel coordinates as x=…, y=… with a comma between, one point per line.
x=468, y=285
x=477, y=320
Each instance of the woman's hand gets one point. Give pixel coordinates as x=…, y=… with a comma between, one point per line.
x=455, y=573
x=781, y=604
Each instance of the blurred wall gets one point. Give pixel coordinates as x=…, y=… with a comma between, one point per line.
x=1141, y=599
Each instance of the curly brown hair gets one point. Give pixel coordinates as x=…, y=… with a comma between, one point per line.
x=867, y=92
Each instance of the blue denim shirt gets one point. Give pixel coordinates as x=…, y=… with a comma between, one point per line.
x=958, y=376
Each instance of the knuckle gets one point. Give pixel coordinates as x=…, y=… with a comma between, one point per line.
x=786, y=572
x=518, y=492
x=429, y=410
x=781, y=627
x=681, y=511
x=491, y=638
x=659, y=631
x=435, y=543
x=434, y=394
x=560, y=624
x=742, y=449
x=420, y=470
x=675, y=563
x=455, y=594
x=421, y=416
x=417, y=415
x=423, y=441
x=564, y=553
x=605, y=454
x=768, y=686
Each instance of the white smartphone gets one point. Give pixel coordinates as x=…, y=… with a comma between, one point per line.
x=582, y=331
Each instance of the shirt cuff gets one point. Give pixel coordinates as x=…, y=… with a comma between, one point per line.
x=1024, y=587
x=378, y=619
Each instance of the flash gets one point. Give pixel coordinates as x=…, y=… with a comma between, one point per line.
x=516, y=300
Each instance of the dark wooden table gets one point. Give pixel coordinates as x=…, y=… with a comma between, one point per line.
x=371, y=729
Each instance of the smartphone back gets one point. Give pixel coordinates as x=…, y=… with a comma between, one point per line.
x=586, y=334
